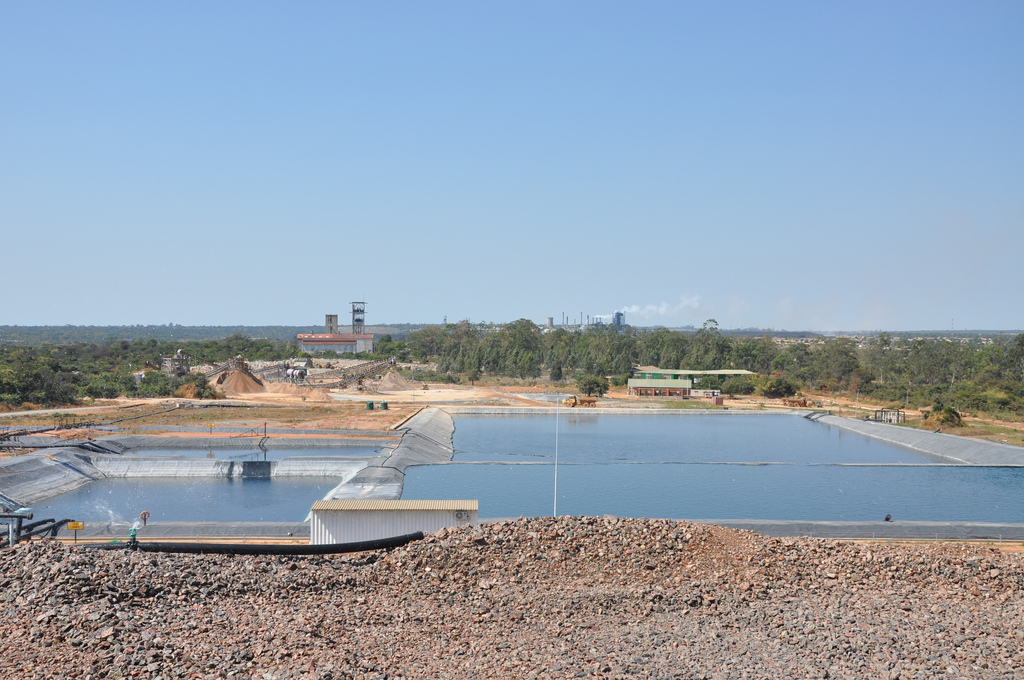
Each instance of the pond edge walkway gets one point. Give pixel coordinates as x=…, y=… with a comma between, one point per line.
x=946, y=446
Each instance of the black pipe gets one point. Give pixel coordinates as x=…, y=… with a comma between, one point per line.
x=262, y=549
x=37, y=529
x=41, y=528
x=34, y=525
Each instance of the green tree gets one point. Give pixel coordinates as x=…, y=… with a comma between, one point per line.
x=155, y=384
x=592, y=384
x=109, y=385
x=556, y=372
x=880, y=356
x=1015, y=355
x=710, y=348
x=426, y=342
x=835, y=360
x=776, y=388
x=738, y=384
x=755, y=355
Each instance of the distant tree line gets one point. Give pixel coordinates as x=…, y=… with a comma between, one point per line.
x=969, y=374
x=33, y=336
x=972, y=374
x=52, y=375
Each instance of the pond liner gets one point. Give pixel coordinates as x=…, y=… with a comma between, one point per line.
x=262, y=549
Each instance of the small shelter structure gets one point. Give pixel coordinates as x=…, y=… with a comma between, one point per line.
x=890, y=415
x=348, y=521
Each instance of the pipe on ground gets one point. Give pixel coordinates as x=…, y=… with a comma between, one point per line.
x=39, y=528
x=264, y=549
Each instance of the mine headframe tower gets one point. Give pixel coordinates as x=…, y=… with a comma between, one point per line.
x=358, y=318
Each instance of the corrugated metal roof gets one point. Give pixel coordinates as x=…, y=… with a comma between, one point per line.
x=670, y=371
x=395, y=505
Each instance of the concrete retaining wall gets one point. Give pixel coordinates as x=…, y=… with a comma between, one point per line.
x=164, y=466
x=325, y=466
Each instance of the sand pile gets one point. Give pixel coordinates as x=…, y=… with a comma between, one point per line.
x=240, y=382
x=394, y=382
x=285, y=388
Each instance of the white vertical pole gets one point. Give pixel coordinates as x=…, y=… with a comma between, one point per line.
x=555, y=512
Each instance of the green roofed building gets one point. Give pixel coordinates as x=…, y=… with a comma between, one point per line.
x=651, y=381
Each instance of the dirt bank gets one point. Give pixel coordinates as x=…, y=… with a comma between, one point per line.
x=577, y=597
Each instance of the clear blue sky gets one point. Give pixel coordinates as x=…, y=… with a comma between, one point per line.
x=812, y=165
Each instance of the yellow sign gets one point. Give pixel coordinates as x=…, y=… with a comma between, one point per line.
x=76, y=526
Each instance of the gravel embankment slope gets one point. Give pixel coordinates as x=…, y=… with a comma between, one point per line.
x=575, y=597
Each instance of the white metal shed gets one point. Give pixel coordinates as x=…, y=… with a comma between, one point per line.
x=346, y=521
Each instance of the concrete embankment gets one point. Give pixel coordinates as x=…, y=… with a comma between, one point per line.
x=946, y=446
x=168, y=466
x=427, y=440
x=28, y=479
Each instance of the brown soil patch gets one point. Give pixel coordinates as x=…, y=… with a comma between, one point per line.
x=310, y=393
x=187, y=391
x=83, y=433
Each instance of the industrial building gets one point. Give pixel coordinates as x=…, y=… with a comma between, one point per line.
x=618, y=320
x=651, y=381
x=333, y=341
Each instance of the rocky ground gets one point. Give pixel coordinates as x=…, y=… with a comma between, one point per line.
x=573, y=597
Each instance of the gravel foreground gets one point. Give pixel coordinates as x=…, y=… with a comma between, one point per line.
x=533, y=598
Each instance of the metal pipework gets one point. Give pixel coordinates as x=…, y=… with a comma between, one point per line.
x=14, y=520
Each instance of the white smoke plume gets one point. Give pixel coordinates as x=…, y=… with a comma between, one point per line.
x=665, y=309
